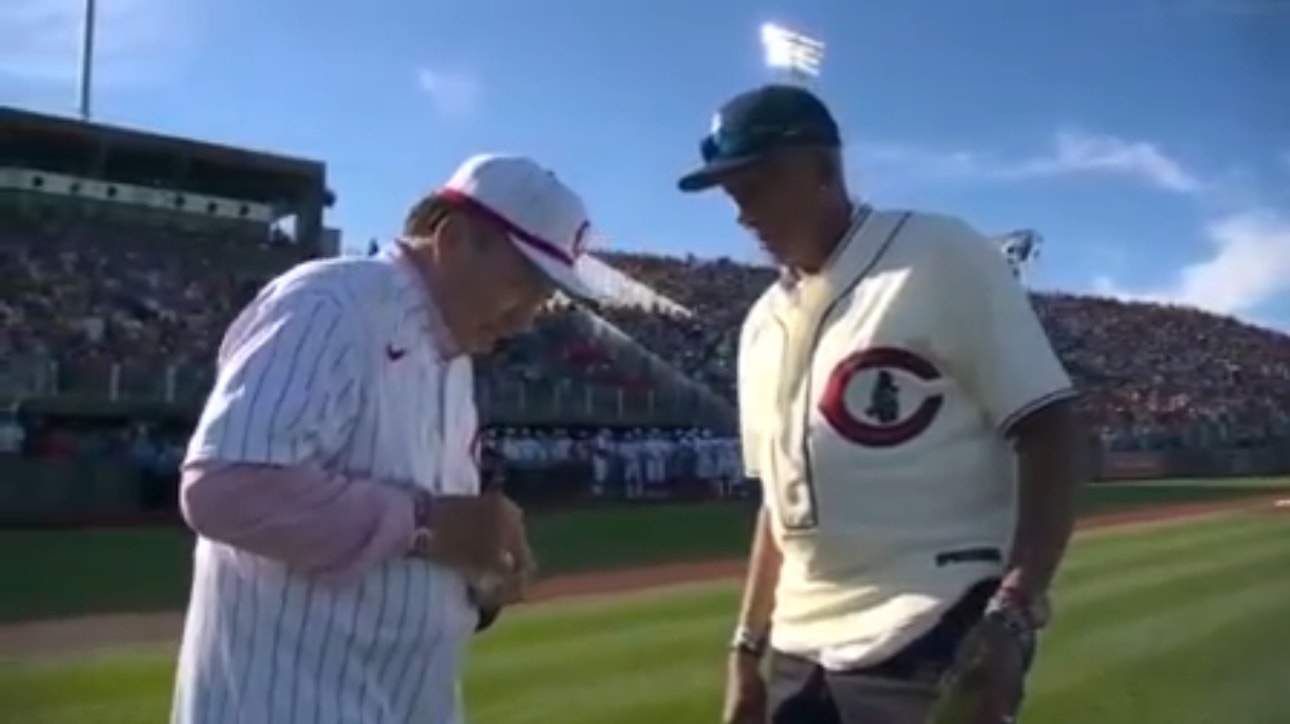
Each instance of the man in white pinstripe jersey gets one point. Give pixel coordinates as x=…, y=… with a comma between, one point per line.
x=333, y=480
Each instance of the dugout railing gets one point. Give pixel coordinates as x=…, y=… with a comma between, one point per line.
x=41, y=492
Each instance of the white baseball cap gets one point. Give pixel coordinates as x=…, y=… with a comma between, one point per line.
x=545, y=219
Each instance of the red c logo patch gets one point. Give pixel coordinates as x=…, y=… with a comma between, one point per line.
x=888, y=419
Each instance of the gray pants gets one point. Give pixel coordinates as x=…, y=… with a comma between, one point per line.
x=900, y=690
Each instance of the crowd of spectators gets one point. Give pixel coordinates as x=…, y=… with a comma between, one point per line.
x=93, y=295
x=1154, y=375
x=112, y=305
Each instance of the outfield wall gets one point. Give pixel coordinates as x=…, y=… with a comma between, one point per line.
x=1270, y=460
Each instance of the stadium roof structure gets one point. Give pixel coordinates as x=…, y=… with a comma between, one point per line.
x=114, y=153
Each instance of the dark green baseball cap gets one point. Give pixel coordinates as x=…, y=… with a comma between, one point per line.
x=756, y=123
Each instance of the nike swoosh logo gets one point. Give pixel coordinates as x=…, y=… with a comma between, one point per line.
x=394, y=354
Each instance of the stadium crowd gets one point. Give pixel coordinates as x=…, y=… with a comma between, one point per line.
x=1154, y=375
x=99, y=304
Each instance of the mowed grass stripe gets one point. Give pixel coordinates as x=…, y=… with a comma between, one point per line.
x=1253, y=692
x=137, y=710
x=561, y=618
x=93, y=689
x=1145, y=622
x=1207, y=662
x=1130, y=545
x=653, y=662
x=1158, y=625
x=1194, y=582
x=1160, y=576
x=626, y=693
x=1236, y=673
x=638, y=643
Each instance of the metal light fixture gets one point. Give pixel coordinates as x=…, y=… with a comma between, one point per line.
x=797, y=56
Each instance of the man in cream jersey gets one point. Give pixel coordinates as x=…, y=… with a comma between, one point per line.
x=913, y=434
x=333, y=478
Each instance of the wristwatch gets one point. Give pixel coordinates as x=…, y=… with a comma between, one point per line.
x=748, y=642
x=422, y=535
x=421, y=541
x=1022, y=617
x=1033, y=612
x=422, y=503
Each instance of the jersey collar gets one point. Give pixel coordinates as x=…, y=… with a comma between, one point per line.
x=860, y=212
x=418, y=293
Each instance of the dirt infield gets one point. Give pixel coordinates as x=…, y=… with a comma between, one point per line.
x=93, y=633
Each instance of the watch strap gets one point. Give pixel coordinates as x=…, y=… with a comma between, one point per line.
x=749, y=642
x=1019, y=625
x=422, y=506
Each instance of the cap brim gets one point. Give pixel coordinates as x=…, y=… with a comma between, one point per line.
x=710, y=175
x=565, y=278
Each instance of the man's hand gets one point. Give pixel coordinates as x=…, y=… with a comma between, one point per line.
x=987, y=681
x=472, y=533
x=745, y=701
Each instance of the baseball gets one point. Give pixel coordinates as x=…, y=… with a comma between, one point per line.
x=489, y=584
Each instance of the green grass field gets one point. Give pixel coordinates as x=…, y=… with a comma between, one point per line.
x=1176, y=623
x=52, y=574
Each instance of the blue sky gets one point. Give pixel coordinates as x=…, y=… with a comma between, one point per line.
x=1148, y=140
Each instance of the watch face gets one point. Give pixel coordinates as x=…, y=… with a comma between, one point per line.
x=421, y=541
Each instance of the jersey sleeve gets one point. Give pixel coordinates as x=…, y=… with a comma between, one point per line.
x=289, y=381
x=749, y=432
x=999, y=349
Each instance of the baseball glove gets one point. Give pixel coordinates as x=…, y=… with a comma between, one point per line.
x=487, y=617
x=493, y=591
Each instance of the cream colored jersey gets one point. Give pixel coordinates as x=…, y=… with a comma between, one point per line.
x=875, y=398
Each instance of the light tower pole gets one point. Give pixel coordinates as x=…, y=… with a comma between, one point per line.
x=84, y=107
x=790, y=55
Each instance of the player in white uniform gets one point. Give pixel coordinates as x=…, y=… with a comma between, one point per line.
x=601, y=462
x=732, y=469
x=658, y=452
x=913, y=432
x=333, y=478
x=631, y=451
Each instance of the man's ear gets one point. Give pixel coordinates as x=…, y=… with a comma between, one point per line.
x=453, y=233
x=829, y=164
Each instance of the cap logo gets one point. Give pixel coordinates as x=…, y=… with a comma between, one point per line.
x=717, y=123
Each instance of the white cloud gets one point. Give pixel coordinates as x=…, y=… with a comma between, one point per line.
x=1248, y=266
x=1245, y=264
x=1072, y=152
x=1076, y=152
x=453, y=93
x=136, y=41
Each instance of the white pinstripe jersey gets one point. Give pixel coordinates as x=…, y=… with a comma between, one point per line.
x=332, y=364
x=881, y=445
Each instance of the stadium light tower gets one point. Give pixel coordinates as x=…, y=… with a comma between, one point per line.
x=1020, y=248
x=796, y=56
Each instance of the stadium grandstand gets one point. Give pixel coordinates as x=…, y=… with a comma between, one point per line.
x=124, y=254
